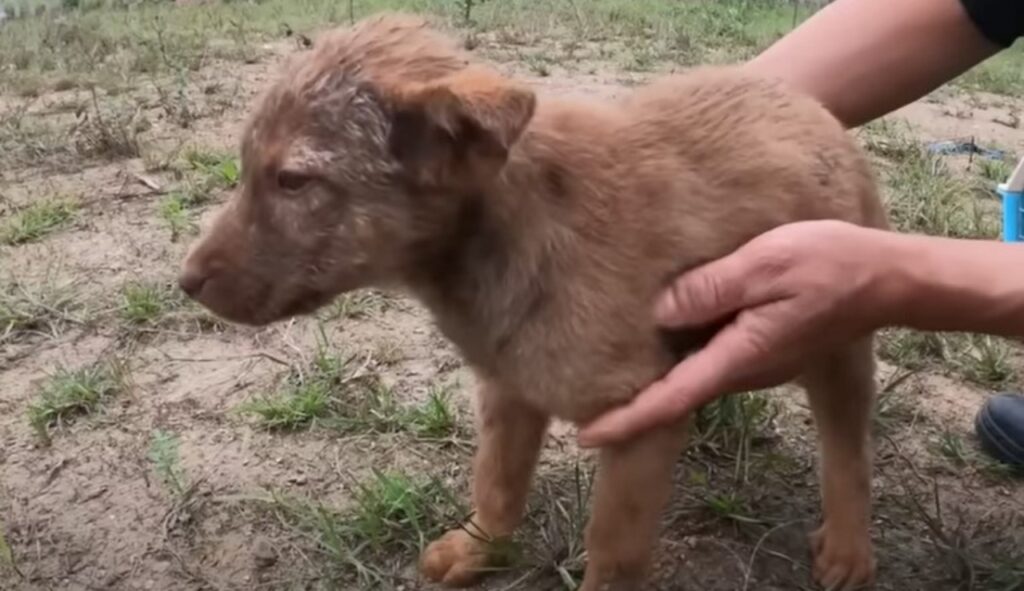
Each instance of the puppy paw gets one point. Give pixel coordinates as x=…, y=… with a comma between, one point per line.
x=842, y=560
x=456, y=559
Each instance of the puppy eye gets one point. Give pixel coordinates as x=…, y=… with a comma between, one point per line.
x=290, y=180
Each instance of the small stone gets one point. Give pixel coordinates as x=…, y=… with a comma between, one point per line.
x=263, y=553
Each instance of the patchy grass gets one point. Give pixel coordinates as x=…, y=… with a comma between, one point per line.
x=106, y=43
x=894, y=407
x=729, y=427
x=43, y=308
x=298, y=406
x=393, y=517
x=435, y=419
x=219, y=169
x=925, y=197
x=912, y=349
x=166, y=460
x=147, y=304
x=174, y=211
x=68, y=394
x=994, y=171
x=922, y=194
x=952, y=447
x=551, y=545
x=982, y=359
x=333, y=393
x=359, y=304
x=306, y=396
x=1002, y=74
x=984, y=553
x=110, y=130
x=37, y=220
x=206, y=172
x=26, y=139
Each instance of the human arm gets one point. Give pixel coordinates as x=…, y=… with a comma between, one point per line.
x=865, y=58
x=806, y=286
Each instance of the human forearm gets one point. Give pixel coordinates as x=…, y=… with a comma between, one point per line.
x=944, y=284
x=865, y=58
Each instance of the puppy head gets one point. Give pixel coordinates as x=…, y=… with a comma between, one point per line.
x=355, y=165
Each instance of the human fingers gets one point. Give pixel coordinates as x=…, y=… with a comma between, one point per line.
x=712, y=371
x=710, y=292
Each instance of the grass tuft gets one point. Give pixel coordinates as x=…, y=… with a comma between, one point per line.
x=393, y=517
x=334, y=394
x=68, y=394
x=37, y=220
x=110, y=131
x=146, y=304
x=174, y=211
x=44, y=308
x=984, y=360
x=555, y=546
x=730, y=426
x=219, y=169
x=166, y=459
x=435, y=419
x=359, y=304
x=952, y=447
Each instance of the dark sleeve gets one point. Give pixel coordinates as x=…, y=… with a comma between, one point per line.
x=1001, y=21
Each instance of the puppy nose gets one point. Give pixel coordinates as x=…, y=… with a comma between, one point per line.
x=191, y=281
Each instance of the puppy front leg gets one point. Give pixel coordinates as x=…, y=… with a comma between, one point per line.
x=634, y=481
x=510, y=435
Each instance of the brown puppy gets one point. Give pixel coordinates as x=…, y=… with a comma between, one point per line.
x=538, y=234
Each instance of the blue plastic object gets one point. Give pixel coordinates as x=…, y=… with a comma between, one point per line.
x=1011, y=214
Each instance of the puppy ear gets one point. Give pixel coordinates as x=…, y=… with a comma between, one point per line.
x=456, y=132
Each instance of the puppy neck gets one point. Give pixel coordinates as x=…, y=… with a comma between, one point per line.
x=494, y=269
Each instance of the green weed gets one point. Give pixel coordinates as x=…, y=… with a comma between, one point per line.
x=730, y=507
x=220, y=169
x=925, y=197
x=174, y=211
x=37, y=220
x=393, y=517
x=166, y=459
x=68, y=394
x=729, y=426
x=912, y=349
x=435, y=419
x=296, y=407
x=994, y=171
x=554, y=545
x=985, y=360
x=43, y=308
x=951, y=446
x=110, y=130
x=147, y=303
x=1002, y=74
x=359, y=304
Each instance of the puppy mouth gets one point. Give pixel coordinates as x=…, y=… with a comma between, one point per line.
x=303, y=304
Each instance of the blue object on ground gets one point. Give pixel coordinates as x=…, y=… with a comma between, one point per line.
x=965, y=147
x=1000, y=428
x=1011, y=214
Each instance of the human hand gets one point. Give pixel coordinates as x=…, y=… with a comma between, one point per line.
x=798, y=289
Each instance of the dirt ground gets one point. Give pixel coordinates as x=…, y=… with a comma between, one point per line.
x=90, y=505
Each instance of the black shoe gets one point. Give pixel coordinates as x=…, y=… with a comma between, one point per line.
x=1000, y=428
